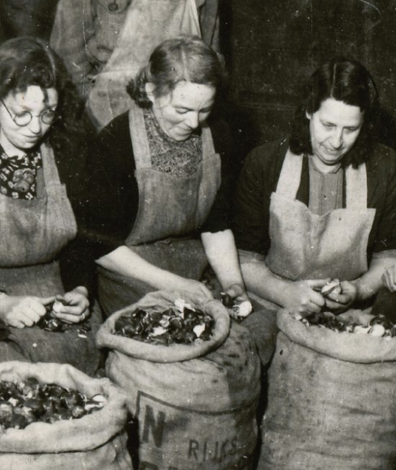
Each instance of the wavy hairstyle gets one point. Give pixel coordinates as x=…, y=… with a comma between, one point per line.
x=28, y=61
x=183, y=58
x=343, y=80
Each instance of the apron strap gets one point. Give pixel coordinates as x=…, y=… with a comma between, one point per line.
x=290, y=176
x=191, y=16
x=356, y=181
x=50, y=170
x=208, y=149
x=356, y=187
x=137, y=130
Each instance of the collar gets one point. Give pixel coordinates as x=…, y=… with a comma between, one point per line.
x=313, y=166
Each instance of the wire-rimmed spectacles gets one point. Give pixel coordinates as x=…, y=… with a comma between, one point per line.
x=25, y=118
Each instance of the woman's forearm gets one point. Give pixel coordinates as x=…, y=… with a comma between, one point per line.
x=370, y=283
x=260, y=280
x=125, y=262
x=222, y=254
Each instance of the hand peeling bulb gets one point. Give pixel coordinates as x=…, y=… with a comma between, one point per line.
x=49, y=322
x=332, y=287
x=238, y=309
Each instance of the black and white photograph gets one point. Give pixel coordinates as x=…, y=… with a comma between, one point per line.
x=198, y=235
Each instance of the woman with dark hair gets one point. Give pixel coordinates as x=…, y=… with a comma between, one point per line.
x=39, y=187
x=352, y=85
x=321, y=204
x=160, y=173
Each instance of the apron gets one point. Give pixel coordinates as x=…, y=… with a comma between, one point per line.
x=170, y=209
x=34, y=233
x=308, y=246
x=147, y=24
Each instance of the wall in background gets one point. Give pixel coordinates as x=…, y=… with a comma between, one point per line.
x=26, y=17
x=274, y=45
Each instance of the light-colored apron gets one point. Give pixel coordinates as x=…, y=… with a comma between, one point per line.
x=308, y=246
x=170, y=209
x=147, y=24
x=33, y=233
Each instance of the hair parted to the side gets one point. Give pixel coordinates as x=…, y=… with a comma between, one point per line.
x=183, y=58
x=28, y=61
x=343, y=80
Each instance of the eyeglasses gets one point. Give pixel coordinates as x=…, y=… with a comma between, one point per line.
x=23, y=119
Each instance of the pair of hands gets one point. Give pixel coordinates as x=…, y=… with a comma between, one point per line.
x=305, y=297
x=25, y=311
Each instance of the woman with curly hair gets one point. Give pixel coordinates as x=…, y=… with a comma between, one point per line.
x=159, y=214
x=321, y=204
x=40, y=183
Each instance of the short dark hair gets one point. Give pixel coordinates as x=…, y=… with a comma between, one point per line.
x=183, y=58
x=28, y=61
x=343, y=80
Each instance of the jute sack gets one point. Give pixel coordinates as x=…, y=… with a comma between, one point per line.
x=331, y=401
x=96, y=441
x=194, y=405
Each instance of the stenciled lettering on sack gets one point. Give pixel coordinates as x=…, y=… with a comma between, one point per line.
x=187, y=435
x=155, y=424
x=204, y=451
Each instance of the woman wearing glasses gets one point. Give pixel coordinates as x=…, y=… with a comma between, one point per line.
x=39, y=181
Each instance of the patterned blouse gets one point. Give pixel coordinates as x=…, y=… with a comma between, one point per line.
x=18, y=174
x=168, y=155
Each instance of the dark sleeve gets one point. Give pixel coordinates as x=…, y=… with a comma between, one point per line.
x=219, y=218
x=381, y=179
x=257, y=181
x=76, y=260
x=112, y=201
x=102, y=189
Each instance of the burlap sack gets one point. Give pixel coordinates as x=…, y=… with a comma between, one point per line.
x=331, y=401
x=194, y=406
x=96, y=441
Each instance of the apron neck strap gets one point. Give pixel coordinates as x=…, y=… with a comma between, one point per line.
x=290, y=176
x=140, y=144
x=356, y=187
x=137, y=130
x=50, y=171
x=356, y=181
x=207, y=142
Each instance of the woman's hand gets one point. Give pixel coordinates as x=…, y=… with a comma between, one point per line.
x=237, y=301
x=389, y=278
x=76, y=309
x=23, y=310
x=237, y=292
x=340, y=302
x=193, y=287
x=303, y=296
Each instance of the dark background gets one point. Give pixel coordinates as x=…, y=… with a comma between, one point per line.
x=271, y=47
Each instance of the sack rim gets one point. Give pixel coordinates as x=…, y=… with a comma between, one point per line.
x=172, y=353
x=362, y=349
x=83, y=434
